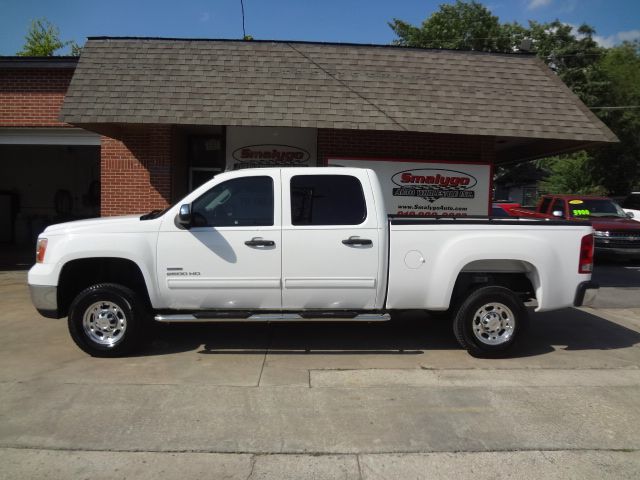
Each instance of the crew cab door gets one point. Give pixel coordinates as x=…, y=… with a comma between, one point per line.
x=330, y=241
x=230, y=257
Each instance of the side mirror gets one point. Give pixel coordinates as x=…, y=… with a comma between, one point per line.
x=184, y=216
x=629, y=214
x=558, y=213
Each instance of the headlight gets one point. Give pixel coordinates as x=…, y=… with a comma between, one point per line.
x=41, y=249
x=599, y=233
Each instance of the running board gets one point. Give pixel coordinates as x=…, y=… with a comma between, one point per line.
x=269, y=317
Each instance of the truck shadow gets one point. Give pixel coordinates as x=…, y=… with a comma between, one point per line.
x=407, y=334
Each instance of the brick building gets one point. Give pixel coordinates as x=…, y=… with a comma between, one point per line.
x=49, y=170
x=139, y=122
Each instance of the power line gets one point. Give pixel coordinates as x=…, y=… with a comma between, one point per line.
x=623, y=107
x=244, y=33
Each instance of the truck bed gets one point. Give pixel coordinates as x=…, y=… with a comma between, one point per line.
x=432, y=251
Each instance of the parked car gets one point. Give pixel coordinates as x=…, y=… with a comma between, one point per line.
x=631, y=204
x=311, y=244
x=503, y=209
x=616, y=234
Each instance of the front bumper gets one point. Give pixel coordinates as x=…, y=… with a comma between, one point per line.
x=585, y=294
x=45, y=299
x=618, y=252
x=620, y=245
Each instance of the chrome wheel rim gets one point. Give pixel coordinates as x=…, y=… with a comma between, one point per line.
x=493, y=324
x=104, y=323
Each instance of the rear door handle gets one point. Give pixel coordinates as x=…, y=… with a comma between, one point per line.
x=259, y=242
x=357, y=241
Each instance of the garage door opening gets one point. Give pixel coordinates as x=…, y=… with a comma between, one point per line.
x=41, y=185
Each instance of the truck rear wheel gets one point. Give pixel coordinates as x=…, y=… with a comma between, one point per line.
x=106, y=320
x=489, y=321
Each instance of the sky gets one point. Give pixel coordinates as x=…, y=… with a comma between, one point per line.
x=356, y=21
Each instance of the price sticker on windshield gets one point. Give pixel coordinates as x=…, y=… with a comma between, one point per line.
x=576, y=202
x=583, y=212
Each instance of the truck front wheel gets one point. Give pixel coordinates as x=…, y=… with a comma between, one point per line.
x=106, y=320
x=488, y=322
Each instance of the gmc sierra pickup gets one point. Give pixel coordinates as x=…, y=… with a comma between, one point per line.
x=313, y=244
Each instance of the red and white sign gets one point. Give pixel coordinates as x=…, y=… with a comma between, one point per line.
x=424, y=189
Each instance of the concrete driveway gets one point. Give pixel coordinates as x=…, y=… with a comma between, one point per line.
x=394, y=400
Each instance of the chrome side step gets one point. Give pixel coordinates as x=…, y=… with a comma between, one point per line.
x=268, y=317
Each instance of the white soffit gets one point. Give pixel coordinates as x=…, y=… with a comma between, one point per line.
x=48, y=136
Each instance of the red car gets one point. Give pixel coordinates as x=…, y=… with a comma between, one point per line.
x=615, y=233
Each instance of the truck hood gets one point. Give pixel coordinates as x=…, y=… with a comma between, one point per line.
x=603, y=224
x=124, y=224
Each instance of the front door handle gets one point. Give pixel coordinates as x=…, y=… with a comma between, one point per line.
x=259, y=242
x=357, y=241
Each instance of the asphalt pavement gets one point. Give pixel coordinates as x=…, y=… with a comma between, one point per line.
x=367, y=401
x=619, y=284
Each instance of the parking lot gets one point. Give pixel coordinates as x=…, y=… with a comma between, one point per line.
x=392, y=400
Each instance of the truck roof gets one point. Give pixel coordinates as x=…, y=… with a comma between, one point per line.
x=577, y=195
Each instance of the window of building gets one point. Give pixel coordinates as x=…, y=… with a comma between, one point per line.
x=205, y=157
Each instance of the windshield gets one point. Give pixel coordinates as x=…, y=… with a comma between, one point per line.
x=595, y=207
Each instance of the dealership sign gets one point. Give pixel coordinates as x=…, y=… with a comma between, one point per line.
x=429, y=188
x=268, y=155
x=249, y=147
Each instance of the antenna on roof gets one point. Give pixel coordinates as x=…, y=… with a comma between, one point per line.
x=244, y=33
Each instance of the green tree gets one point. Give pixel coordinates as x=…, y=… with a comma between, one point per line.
x=618, y=165
x=569, y=174
x=461, y=26
x=43, y=40
x=573, y=54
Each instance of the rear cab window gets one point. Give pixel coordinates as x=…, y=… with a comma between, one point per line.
x=558, y=206
x=544, y=206
x=327, y=200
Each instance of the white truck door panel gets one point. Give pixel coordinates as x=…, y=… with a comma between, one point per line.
x=231, y=257
x=326, y=265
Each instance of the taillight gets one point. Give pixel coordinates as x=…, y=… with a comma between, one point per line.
x=41, y=249
x=586, y=254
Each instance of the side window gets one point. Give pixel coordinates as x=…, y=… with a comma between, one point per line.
x=558, y=204
x=241, y=202
x=544, y=208
x=327, y=200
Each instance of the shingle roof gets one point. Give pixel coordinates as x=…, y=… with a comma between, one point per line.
x=298, y=84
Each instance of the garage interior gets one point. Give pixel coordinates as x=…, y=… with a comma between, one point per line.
x=41, y=185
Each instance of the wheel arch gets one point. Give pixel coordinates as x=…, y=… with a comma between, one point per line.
x=520, y=276
x=78, y=274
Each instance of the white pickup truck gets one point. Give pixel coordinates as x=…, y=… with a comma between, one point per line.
x=313, y=244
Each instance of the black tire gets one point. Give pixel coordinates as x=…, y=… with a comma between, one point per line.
x=112, y=329
x=489, y=321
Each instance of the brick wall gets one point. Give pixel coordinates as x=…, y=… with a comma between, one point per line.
x=135, y=170
x=32, y=97
x=410, y=145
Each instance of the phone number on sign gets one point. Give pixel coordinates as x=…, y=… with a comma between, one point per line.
x=422, y=213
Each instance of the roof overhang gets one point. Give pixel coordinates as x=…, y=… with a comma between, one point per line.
x=515, y=99
x=39, y=62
